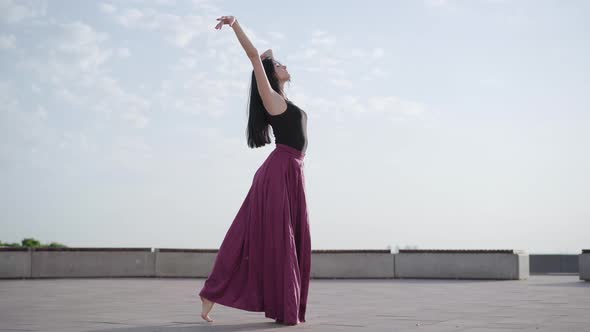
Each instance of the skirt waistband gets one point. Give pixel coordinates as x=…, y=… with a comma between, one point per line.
x=291, y=150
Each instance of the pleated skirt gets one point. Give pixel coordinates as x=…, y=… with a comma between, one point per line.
x=264, y=261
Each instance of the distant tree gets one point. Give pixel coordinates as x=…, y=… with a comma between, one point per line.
x=6, y=244
x=30, y=242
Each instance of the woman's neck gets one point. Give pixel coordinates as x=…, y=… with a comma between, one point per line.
x=281, y=88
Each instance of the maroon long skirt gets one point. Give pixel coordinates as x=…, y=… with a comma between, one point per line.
x=264, y=261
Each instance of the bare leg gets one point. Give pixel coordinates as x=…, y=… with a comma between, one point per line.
x=207, y=306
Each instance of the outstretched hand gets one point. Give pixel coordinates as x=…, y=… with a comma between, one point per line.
x=230, y=20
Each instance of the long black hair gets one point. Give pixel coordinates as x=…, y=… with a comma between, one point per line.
x=257, y=132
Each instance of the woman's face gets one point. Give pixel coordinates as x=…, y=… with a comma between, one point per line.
x=281, y=71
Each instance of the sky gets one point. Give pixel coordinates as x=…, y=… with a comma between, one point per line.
x=433, y=124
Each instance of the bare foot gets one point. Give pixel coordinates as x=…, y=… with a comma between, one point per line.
x=207, y=306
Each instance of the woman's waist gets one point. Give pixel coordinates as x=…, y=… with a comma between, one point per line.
x=283, y=148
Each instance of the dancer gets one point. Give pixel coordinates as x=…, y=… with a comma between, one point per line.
x=263, y=263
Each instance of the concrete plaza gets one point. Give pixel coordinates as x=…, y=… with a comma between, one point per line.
x=541, y=303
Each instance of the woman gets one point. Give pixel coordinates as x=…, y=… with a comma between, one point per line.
x=263, y=263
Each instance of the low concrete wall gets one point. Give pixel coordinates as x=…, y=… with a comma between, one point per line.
x=584, y=263
x=184, y=262
x=553, y=263
x=92, y=262
x=462, y=264
x=163, y=262
x=324, y=263
x=15, y=263
x=142, y=262
x=352, y=264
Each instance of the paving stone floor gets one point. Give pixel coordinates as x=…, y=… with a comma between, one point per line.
x=541, y=303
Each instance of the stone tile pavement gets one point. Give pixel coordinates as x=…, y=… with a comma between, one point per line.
x=541, y=303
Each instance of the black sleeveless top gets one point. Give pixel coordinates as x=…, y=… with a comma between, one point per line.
x=290, y=127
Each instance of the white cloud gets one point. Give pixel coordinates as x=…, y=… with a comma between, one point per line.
x=123, y=52
x=107, y=8
x=319, y=44
x=318, y=33
x=76, y=142
x=185, y=63
x=25, y=137
x=199, y=93
x=133, y=18
x=322, y=38
x=492, y=82
x=64, y=94
x=378, y=53
x=319, y=57
x=132, y=153
x=374, y=73
x=40, y=112
x=309, y=53
x=84, y=42
x=276, y=35
x=450, y=3
x=205, y=5
x=437, y=3
x=128, y=105
x=206, y=79
x=179, y=30
x=389, y=107
x=35, y=88
x=7, y=96
x=7, y=41
x=342, y=83
x=16, y=11
x=72, y=65
x=322, y=56
x=368, y=54
x=395, y=105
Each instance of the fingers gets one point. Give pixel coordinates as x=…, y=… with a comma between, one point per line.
x=222, y=21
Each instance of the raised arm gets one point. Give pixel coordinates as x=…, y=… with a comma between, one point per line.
x=272, y=101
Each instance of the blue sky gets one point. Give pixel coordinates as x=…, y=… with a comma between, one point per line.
x=437, y=124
